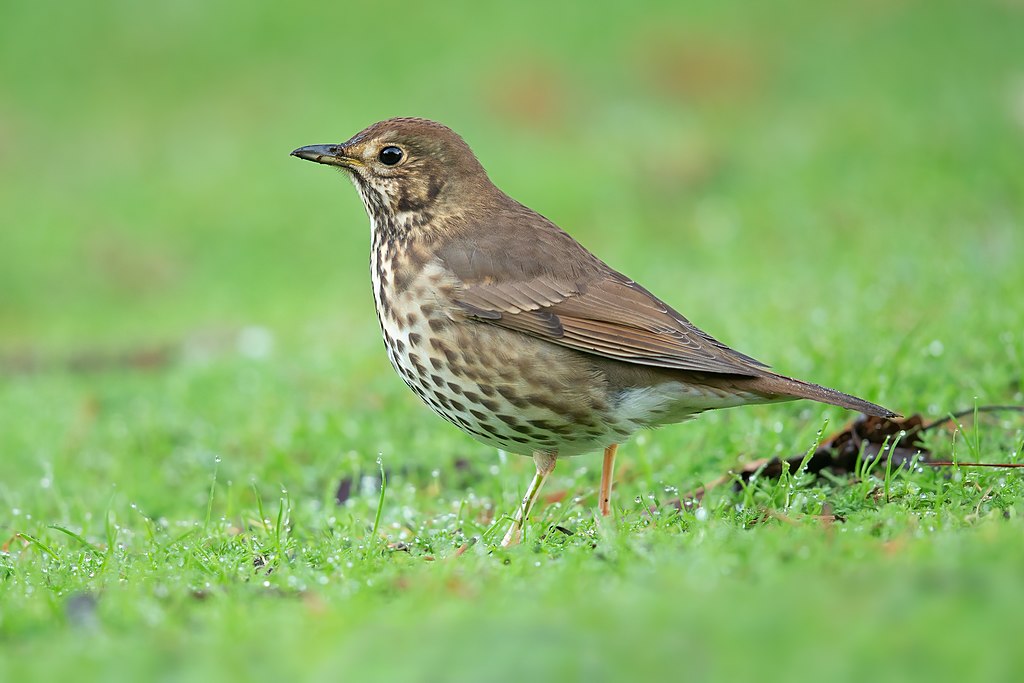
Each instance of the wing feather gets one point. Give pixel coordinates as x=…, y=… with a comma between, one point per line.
x=543, y=283
x=615, y=319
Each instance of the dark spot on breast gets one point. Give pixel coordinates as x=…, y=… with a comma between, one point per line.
x=457, y=406
x=508, y=374
x=519, y=439
x=400, y=345
x=415, y=360
x=487, y=390
x=437, y=380
x=470, y=395
x=521, y=428
x=435, y=324
x=415, y=339
x=427, y=310
x=466, y=371
x=450, y=355
x=402, y=277
x=507, y=419
x=490, y=405
x=483, y=417
x=566, y=411
x=410, y=319
x=456, y=389
x=512, y=397
x=436, y=363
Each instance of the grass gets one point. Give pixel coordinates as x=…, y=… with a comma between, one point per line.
x=191, y=368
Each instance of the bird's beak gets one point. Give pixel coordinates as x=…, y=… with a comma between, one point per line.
x=332, y=155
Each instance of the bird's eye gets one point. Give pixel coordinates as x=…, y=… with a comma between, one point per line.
x=389, y=156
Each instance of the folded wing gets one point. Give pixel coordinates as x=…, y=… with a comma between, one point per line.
x=598, y=311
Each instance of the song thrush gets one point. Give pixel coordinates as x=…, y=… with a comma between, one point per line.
x=511, y=330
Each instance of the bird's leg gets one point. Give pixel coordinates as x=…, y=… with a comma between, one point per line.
x=604, y=500
x=545, y=461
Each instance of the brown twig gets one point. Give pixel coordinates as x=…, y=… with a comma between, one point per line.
x=971, y=411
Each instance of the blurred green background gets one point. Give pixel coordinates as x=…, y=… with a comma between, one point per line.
x=186, y=329
x=147, y=191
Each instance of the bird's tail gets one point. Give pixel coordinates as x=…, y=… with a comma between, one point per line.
x=787, y=387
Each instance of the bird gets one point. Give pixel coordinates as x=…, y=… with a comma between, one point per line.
x=511, y=330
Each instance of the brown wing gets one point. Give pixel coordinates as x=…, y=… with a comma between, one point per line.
x=550, y=287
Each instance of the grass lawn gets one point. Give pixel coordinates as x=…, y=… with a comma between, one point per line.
x=195, y=407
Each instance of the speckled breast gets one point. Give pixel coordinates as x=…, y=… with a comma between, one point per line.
x=503, y=388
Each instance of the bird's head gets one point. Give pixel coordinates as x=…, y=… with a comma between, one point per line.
x=407, y=170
